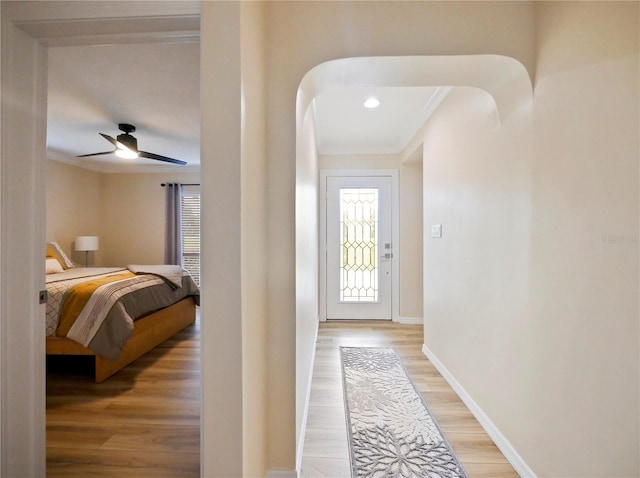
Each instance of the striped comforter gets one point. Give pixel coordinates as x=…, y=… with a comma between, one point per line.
x=96, y=307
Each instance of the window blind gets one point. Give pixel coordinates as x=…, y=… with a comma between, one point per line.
x=190, y=204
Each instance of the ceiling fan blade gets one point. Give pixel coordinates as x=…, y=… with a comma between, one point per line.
x=144, y=154
x=110, y=139
x=95, y=154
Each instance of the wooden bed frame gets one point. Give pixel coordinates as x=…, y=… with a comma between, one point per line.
x=148, y=332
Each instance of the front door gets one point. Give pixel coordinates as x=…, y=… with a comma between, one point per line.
x=359, y=249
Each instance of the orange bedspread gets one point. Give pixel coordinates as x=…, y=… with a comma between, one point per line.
x=77, y=297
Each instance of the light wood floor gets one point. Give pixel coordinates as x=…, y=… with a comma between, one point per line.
x=326, y=452
x=142, y=422
x=145, y=420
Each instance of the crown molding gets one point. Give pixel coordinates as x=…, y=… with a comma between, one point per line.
x=108, y=31
x=425, y=113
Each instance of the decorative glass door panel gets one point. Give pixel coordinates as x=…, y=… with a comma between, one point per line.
x=358, y=247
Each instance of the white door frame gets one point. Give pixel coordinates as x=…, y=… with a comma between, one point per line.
x=22, y=225
x=22, y=237
x=395, y=234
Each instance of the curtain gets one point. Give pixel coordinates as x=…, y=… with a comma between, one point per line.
x=173, y=225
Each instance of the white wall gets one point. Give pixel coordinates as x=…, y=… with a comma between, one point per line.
x=411, y=217
x=584, y=283
x=306, y=268
x=222, y=356
x=132, y=216
x=235, y=329
x=360, y=161
x=73, y=208
x=254, y=244
x=477, y=174
x=531, y=295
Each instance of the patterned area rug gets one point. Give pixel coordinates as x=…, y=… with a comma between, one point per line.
x=391, y=430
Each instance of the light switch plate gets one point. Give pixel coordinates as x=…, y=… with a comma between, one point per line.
x=436, y=230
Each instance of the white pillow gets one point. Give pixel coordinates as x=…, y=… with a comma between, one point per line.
x=52, y=266
x=58, y=253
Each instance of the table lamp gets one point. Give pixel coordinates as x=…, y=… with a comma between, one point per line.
x=86, y=244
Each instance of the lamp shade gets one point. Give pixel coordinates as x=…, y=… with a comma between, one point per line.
x=86, y=243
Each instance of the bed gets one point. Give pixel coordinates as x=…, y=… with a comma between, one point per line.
x=112, y=313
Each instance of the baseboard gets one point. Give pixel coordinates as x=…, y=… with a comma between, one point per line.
x=305, y=414
x=500, y=440
x=282, y=474
x=411, y=320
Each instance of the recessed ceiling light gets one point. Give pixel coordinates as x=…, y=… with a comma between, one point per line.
x=372, y=103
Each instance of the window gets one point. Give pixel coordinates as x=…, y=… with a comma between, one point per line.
x=190, y=205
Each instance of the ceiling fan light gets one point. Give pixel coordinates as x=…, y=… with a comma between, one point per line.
x=127, y=147
x=372, y=102
x=126, y=153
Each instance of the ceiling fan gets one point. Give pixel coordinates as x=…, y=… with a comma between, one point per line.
x=126, y=146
